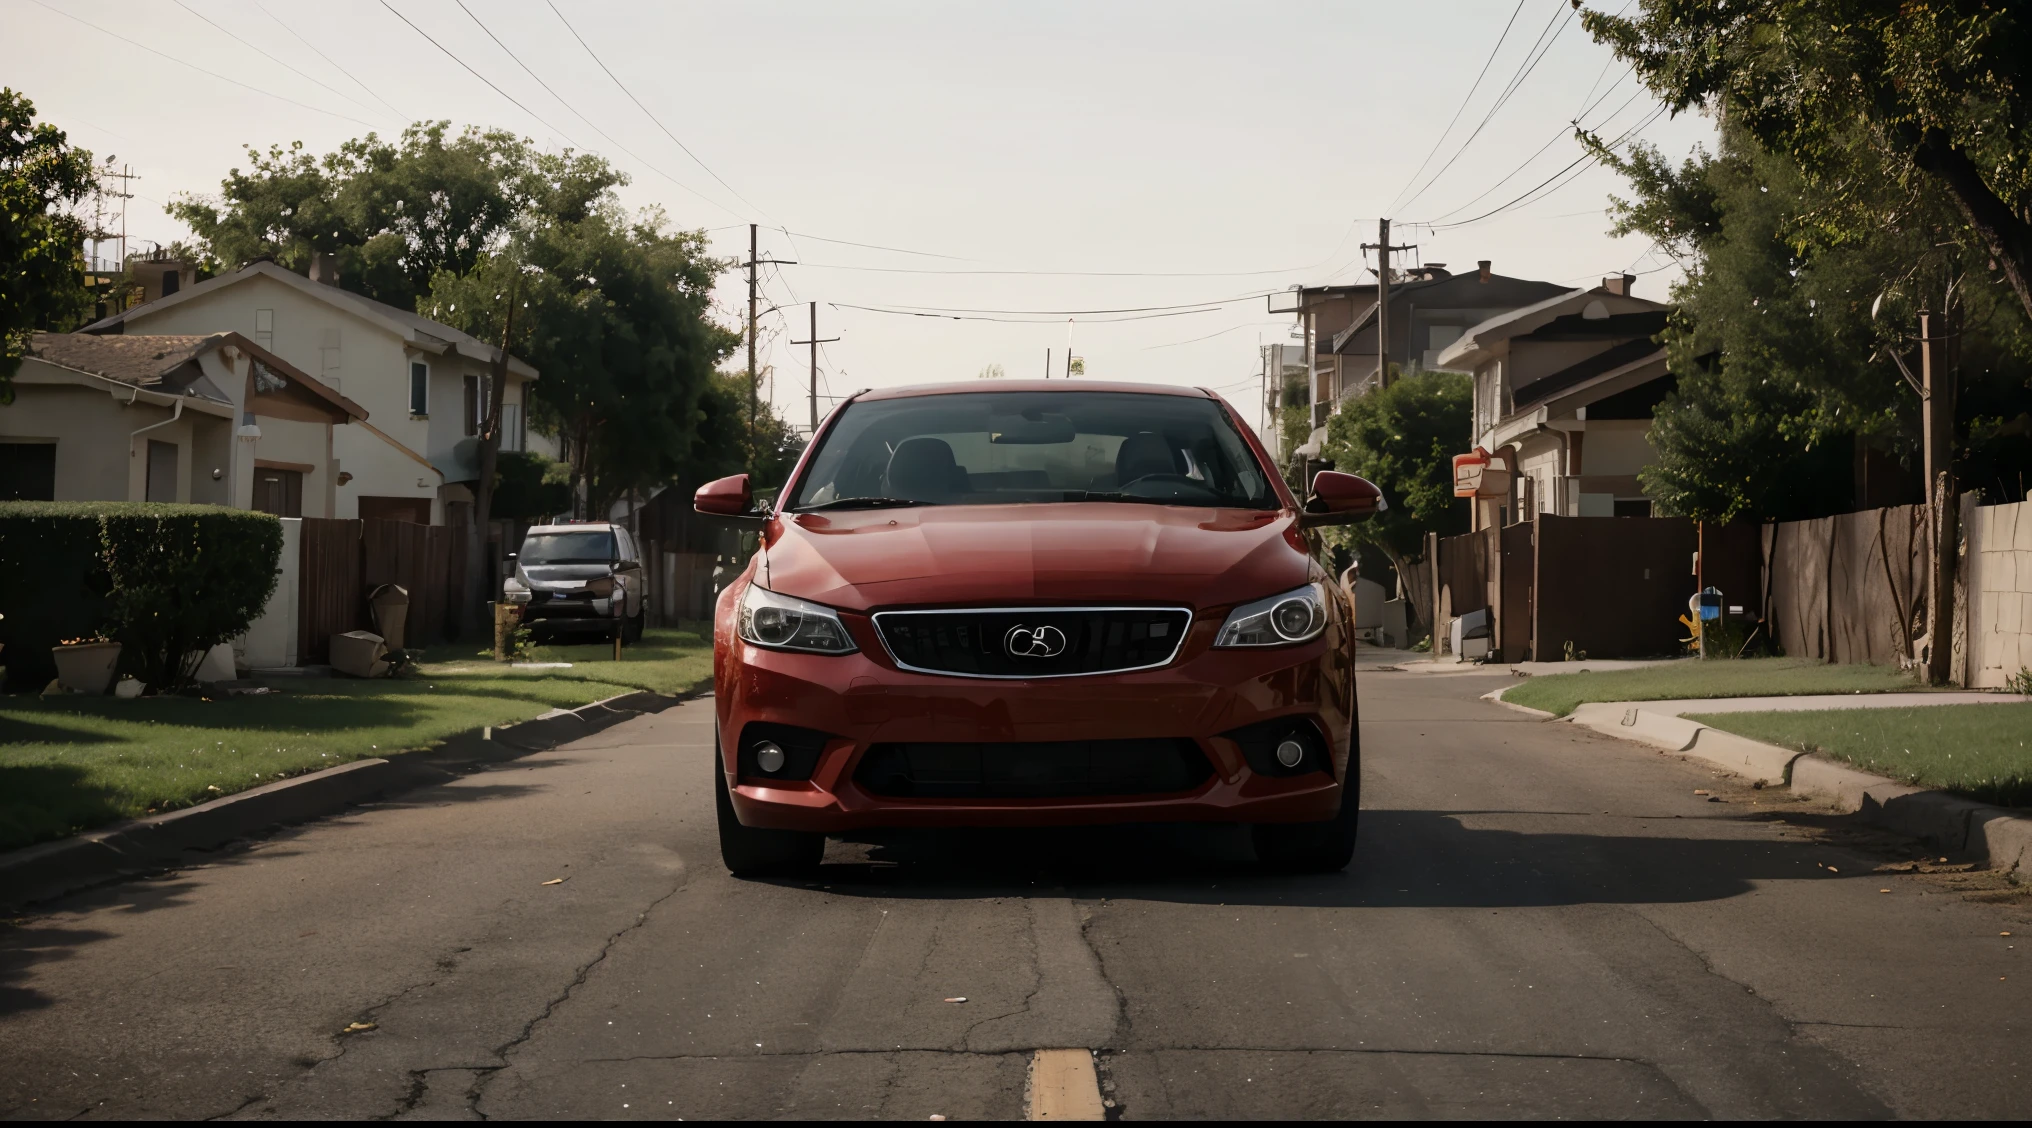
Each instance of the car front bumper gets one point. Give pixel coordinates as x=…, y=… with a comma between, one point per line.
x=860, y=700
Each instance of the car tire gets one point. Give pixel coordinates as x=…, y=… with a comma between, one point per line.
x=1317, y=847
x=753, y=851
x=631, y=629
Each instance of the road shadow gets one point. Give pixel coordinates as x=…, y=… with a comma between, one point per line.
x=1405, y=859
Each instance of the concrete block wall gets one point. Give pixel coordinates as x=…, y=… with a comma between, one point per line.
x=1999, y=592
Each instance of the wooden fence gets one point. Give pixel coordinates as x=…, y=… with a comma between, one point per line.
x=342, y=561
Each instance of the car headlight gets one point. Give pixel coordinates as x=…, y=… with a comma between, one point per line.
x=513, y=590
x=1296, y=616
x=783, y=623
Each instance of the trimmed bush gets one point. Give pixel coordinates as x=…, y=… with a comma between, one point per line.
x=164, y=580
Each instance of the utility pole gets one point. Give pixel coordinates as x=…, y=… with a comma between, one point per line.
x=1937, y=395
x=1383, y=248
x=814, y=342
x=754, y=399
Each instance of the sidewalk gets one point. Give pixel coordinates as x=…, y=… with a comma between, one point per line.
x=2001, y=835
x=1420, y=662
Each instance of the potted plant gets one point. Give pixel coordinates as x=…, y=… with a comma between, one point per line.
x=86, y=664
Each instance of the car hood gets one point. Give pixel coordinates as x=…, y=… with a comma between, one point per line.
x=1079, y=552
x=572, y=574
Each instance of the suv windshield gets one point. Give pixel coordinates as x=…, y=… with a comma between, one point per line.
x=589, y=547
x=990, y=448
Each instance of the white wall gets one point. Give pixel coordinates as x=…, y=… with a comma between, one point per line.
x=363, y=361
x=98, y=456
x=1616, y=446
x=1999, y=593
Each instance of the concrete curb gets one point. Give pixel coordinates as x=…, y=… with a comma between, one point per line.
x=1496, y=696
x=52, y=869
x=1999, y=835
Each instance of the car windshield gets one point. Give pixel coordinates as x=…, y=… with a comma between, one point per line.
x=589, y=547
x=990, y=448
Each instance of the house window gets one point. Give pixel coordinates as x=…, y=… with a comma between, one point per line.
x=161, y=471
x=419, y=388
x=511, y=426
x=264, y=328
x=27, y=471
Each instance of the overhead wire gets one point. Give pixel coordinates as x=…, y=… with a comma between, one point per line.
x=370, y=91
x=1096, y=320
x=1532, y=194
x=291, y=68
x=1460, y=109
x=594, y=55
x=1541, y=46
x=1526, y=162
x=574, y=110
x=202, y=70
x=449, y=54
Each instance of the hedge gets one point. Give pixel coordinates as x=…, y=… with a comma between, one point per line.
x=164, y=580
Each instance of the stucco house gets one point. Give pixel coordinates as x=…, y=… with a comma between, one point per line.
x=423, y=382
x=212, y=419
x=1564, y=390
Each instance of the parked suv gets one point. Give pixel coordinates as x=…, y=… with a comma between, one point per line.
x=579, y=577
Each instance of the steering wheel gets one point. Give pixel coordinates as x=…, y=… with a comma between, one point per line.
x=1173, y=480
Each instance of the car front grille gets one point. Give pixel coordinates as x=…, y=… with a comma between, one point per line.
x=1032, y=770
x=1033, y=642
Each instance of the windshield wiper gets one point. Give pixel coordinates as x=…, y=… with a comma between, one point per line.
x=862, y=503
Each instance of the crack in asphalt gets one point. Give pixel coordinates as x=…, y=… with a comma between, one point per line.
x=889, y=1051
x=234, y=1111
x=1036, y=981
x=505, y=1049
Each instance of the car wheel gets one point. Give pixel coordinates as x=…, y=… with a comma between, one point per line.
x=631, y=629
x=1319, y=847
x=753, y=851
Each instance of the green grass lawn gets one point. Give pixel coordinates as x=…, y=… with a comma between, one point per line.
x=1689, y=678
x=71, y=763
x=1981, y=751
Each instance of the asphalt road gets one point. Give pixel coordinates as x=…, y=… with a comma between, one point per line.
x=1539, y=922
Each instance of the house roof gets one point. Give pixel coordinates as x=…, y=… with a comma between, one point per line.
x=413, y=328
x=1455, y=291
x=1480, y=342
x=1613, y=359
x=143, y=361
x=163, y=362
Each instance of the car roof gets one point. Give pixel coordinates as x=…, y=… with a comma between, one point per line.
x=575, y=527
x=1006, y=385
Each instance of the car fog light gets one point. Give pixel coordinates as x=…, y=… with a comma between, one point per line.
x=769, y=757
x=1290, y=752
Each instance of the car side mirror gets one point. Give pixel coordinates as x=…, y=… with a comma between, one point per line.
x=728, y=497
x=1339, y=499
x=628, y=566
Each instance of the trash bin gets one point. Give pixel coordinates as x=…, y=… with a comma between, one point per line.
x=390, y=603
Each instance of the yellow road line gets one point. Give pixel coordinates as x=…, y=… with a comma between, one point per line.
x=1064, y=1086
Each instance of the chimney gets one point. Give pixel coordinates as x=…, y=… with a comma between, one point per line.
x=1619, y=284
x=1483, y=266
x=324, y=268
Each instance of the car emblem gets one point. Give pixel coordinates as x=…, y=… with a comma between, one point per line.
x=1034, y=642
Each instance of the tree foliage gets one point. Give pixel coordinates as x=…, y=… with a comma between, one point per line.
x=1403, y=438
x=1787, y=348
x=41, y=243
x=612, y=310
x=393, y=214
x=1879, y=105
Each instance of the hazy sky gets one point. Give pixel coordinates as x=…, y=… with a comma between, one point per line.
x=1184, y=155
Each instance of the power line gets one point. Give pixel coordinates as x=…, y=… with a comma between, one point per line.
x=1061, y=273
x=201, y=70
x=483, y=78
x=228, y=33
x=877, y=247
x=575, y=111
x=375, y=94
x=1526, y=163
x=645, y=109
x=1584, y=159
x=1080, y=312
x=1211, y=336
x=1524, y=70
x=1441, y=139
x=1020, y=320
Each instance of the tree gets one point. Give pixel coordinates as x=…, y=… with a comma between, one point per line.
x=1403, y=438
x=1787, y=351
x=1861, y=95
x=41, y=281
x=393, y=215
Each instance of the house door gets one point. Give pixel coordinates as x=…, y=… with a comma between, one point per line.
x=279, y=492
x=27, y=471
x=161, y=471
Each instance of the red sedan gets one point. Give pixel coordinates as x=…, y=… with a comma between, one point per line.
x=1041, y=604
